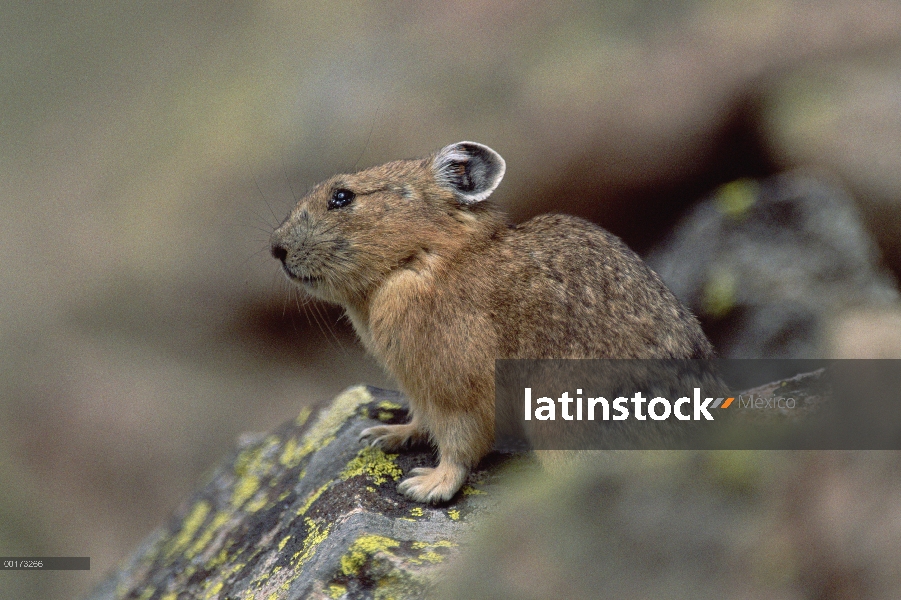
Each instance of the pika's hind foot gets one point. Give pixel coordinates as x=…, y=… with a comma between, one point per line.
x=392, y=437
x=434, y=485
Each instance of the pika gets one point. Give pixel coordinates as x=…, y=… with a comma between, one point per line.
x=438, y=284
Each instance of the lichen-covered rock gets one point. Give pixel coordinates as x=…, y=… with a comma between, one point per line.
x=308, y=512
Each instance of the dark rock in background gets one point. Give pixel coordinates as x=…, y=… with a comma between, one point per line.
x=767, y=264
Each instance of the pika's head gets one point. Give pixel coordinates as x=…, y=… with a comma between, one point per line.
x=352, y=231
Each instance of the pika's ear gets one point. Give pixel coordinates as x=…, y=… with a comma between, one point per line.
x=470, y=170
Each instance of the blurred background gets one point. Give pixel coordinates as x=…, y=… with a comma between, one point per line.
x=147, y=150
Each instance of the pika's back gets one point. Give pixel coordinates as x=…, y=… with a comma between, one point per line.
x=566, y=288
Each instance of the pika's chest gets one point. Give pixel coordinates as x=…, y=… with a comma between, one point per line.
x=418, y=316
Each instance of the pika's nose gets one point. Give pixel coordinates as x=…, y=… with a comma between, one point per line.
x=279, y=251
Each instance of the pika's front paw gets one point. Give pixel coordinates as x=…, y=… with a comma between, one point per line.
x=433, y=485
x=389, y=437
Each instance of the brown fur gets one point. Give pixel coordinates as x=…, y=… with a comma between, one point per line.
x=438, y=285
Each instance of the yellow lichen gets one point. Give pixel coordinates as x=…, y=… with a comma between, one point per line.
x=374, y=463
x=387, y=405
x=281, y=544
x=311, y=499
x=343, y=407
x=438, y=544
x=214, y=590
x=736, y=198
x=416, y=512
x=303, y=416
x=256, y=459
x=430, y=556
x=208, y=532
x=250, y=467
x=720, y=292
x=189, y=528
x=245, y=487
x=315, y=536
x=293, y=453
x=468, y=490
x=234, y=568
x=384, y=416
x=218, y=560
x=362, y=549
x=245, y=457
x=454, y=514
x=258, y=503
x=335, y=591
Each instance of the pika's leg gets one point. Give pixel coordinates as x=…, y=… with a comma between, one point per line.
x=395, y=437
x=434, y=485
x=462, y=441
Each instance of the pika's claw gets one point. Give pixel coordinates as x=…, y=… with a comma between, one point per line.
x=389, y=437
x=433, y=485
x=368, y=435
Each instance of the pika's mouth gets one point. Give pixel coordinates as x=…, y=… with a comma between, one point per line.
x=307, y=280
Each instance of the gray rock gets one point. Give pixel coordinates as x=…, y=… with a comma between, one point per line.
x=766, y=264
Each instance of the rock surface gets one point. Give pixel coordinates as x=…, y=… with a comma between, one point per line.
x=308, y=512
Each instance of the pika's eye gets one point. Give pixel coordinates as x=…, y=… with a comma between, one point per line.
x=340, y=198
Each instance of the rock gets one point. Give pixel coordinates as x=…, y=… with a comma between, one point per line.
x=766, y=265
x=308, y=512
x=694, y=525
